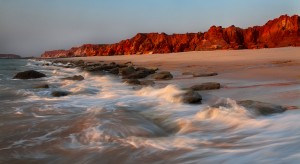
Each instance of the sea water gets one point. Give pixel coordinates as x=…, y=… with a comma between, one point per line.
x=106, y=121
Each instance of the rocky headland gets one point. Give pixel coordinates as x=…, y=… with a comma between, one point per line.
x=280, y=32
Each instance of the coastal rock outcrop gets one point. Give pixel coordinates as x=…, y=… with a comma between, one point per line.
x=280, y=32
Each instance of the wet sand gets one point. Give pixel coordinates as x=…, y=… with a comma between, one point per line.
x=268, y=75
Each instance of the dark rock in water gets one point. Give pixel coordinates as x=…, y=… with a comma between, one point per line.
x=92, y=68
x=79, y=63
x=114, y=71
x=204, y=74
x=262, y=107
x=163, y=76
x=206, y=86
x=106, y=67
x=31, y=74
x=132, y=81
x=42, y=86
x=137, y=75
x=126, y=71
x=140, y=73
x=147, y=82
x=59, y=93
x=147, y=70
x=191, y=97
x=75, y=77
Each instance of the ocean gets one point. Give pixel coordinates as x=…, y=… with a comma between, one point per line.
x=104, y=120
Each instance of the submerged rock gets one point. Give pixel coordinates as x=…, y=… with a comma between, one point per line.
x=147, y=82
x=114, y=71
x=163, y=76
x=132, y=81
x=59, y=93
x=205, y=74
x=75, y=78
x=42, y=86
x=206, y=86
x=261, y=108
x=31, y=74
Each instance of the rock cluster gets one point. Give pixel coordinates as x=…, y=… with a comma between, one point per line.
x=280, y=32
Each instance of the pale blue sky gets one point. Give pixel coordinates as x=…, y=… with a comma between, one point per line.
x=29, y=27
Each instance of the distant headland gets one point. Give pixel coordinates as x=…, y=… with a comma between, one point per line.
x=9, y=56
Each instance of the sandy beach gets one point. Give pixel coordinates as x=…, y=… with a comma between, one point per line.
x=269, y=75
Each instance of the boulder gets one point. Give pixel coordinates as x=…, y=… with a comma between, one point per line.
x=59, y=93
x=31, y=74
x=206, y=86
x=75, y=78
x=163, y=76
x=262, y=108
x=205, y=74
x=191, y=97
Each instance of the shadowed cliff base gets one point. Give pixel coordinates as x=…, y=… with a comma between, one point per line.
x=280, y=32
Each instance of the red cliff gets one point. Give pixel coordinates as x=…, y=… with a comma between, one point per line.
x=280, y=32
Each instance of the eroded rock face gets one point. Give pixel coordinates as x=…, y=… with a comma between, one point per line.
x=280, y=32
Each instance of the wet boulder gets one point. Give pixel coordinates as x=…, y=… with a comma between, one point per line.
x=59, y=93
x=206, y=86
x=191, y=97
x=75, y=78
x=261, y=108
x=163, y=76
x=31, y=74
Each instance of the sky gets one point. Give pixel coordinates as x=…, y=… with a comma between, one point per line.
x=30, y=27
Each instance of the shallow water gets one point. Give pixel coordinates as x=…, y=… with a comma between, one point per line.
x=106, y=121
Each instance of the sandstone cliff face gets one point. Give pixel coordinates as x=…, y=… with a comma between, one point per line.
x=280, y=32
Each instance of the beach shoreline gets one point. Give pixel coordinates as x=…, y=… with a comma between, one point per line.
x=268, y=75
